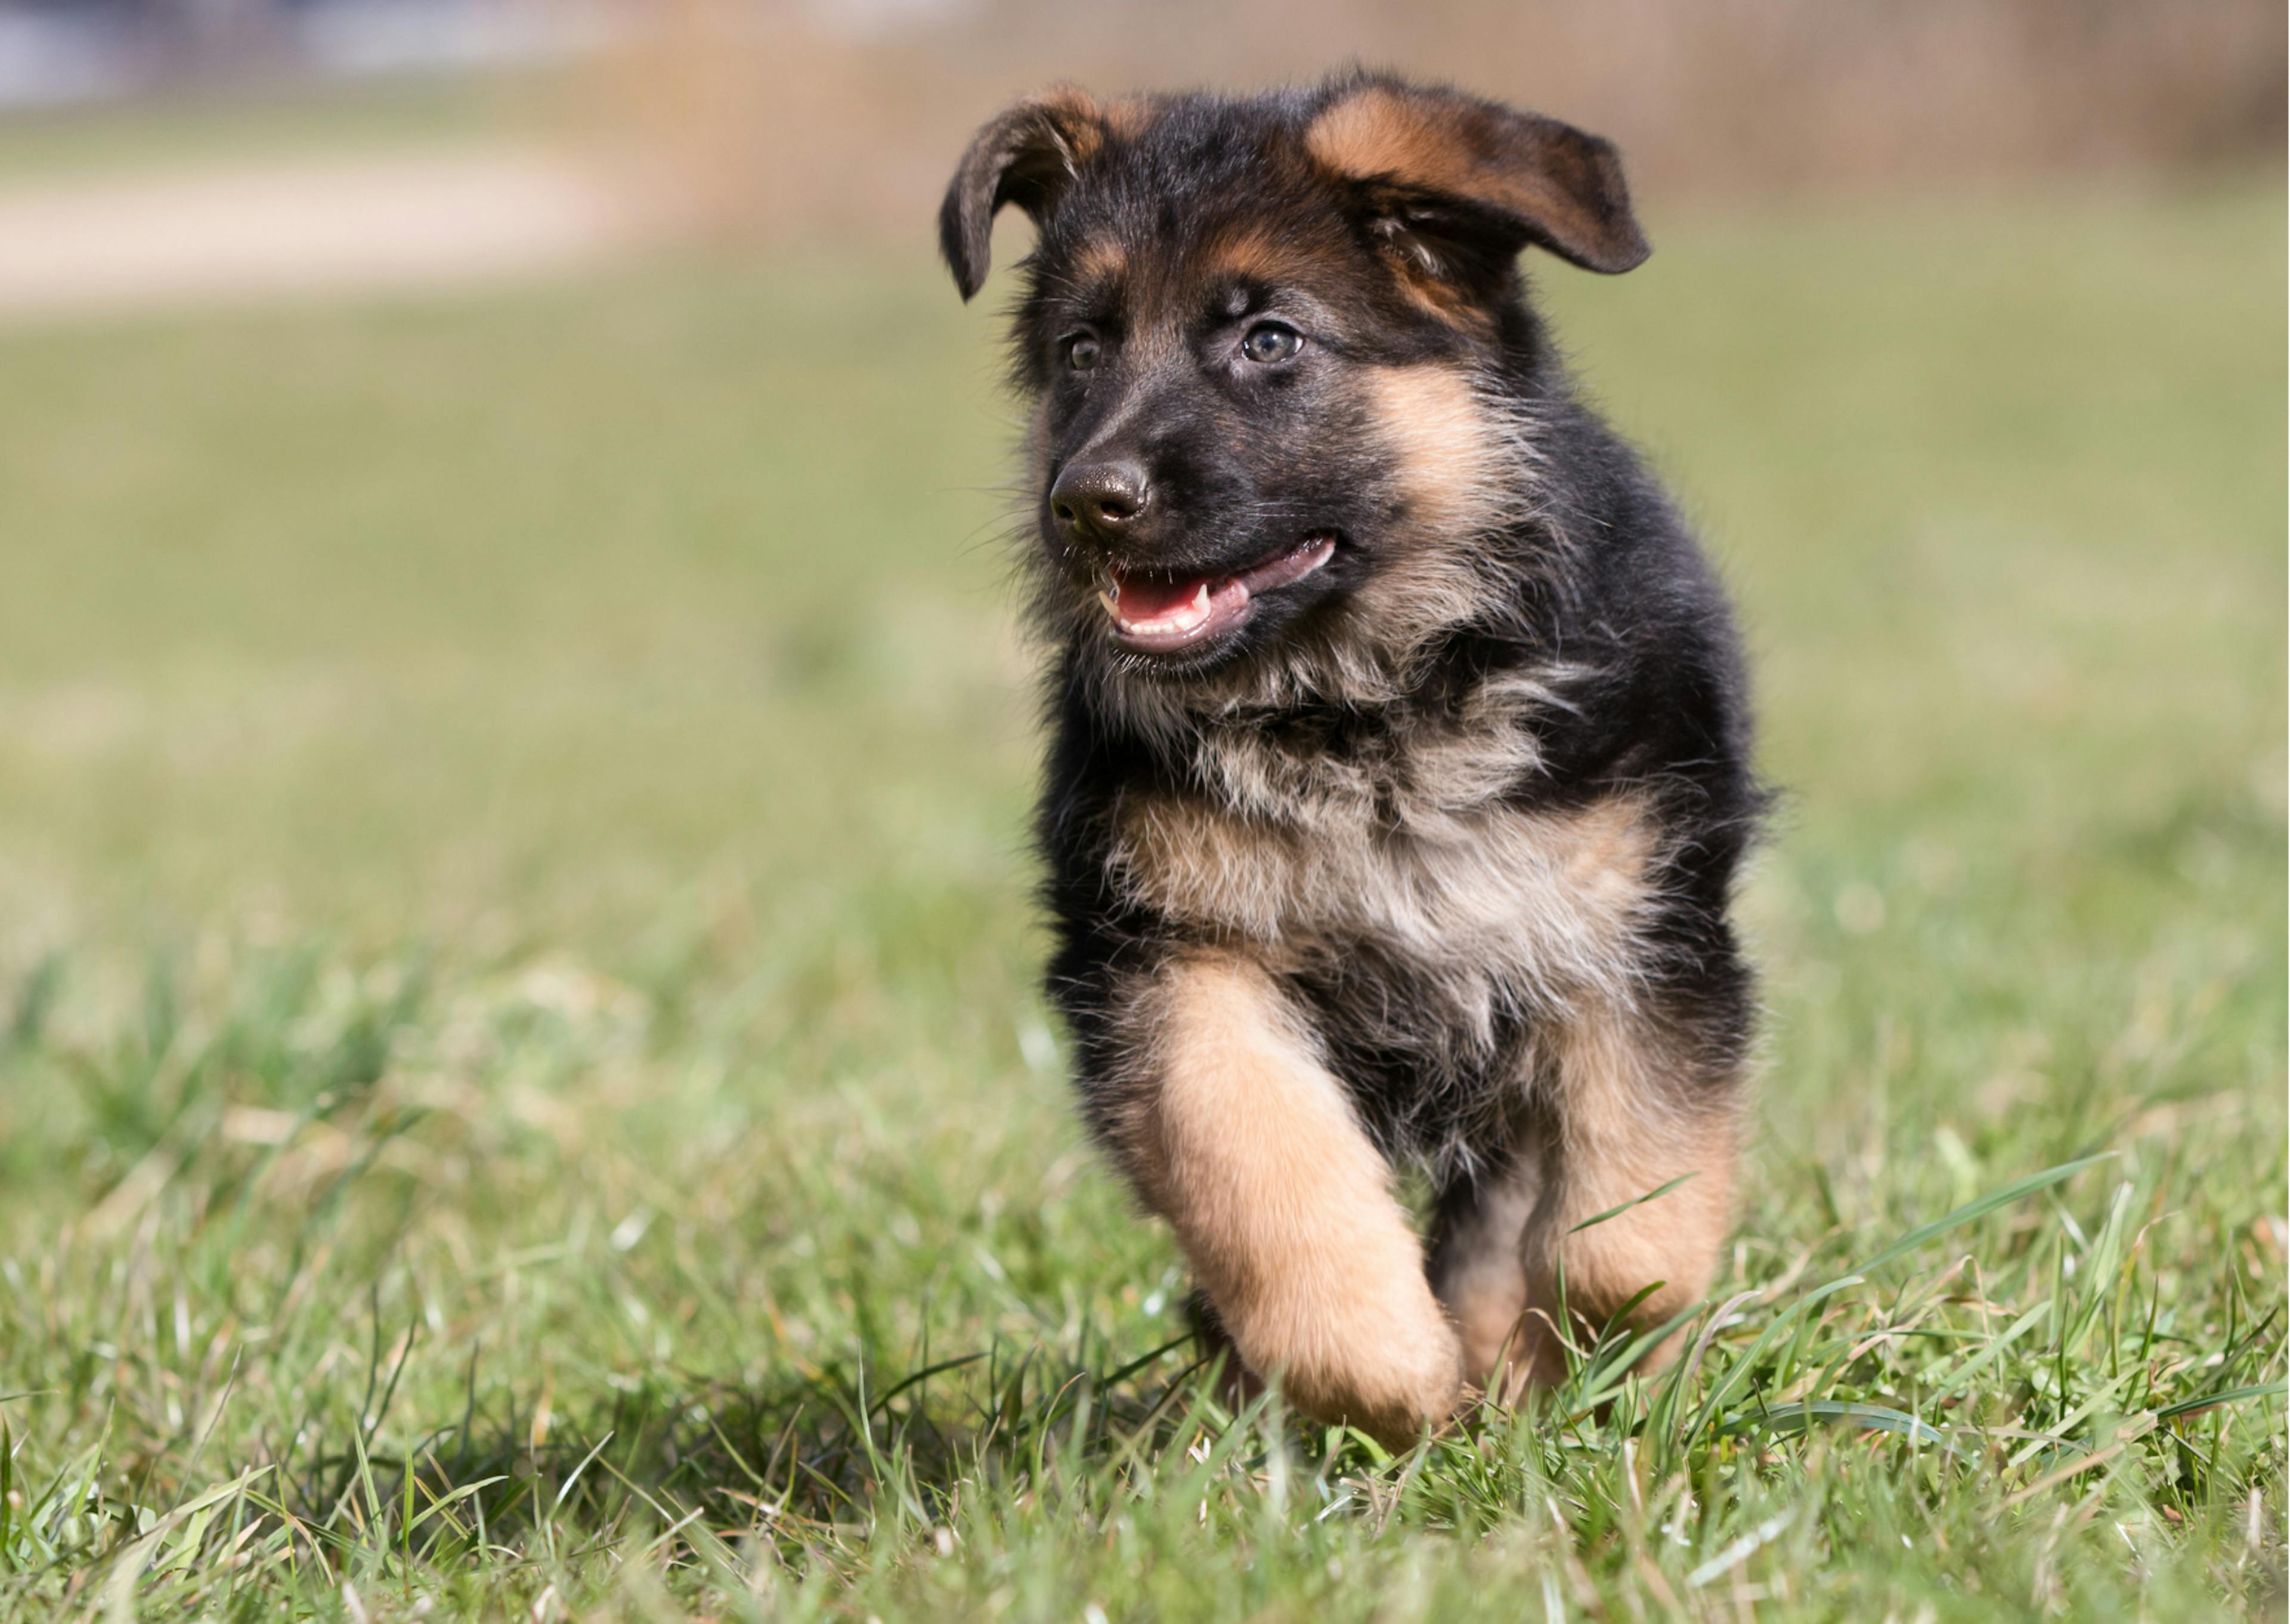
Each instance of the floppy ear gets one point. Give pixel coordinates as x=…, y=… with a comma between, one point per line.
x=1027, y=155
x=1462, y=179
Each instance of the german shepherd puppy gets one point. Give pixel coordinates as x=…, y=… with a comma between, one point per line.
x=1400, y=758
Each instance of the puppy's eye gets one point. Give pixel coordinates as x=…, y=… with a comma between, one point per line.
x=1270, y=341
x=1081, y=352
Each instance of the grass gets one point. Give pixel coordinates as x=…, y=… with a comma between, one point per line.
x=521, y=1089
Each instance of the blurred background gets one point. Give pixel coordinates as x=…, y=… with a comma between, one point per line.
x=785, y=121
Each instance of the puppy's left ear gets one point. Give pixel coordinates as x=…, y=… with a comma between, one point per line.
x=1027, y=155
x=1467, y=182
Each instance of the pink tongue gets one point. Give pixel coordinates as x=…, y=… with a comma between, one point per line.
x=1135, y=598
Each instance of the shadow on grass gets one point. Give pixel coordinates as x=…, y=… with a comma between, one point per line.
x=820, y=1456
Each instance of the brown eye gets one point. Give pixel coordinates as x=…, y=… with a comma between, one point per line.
x=1081, y=352
x=1270, y=341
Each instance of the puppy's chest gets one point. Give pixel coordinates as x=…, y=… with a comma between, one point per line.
x=1414, y=847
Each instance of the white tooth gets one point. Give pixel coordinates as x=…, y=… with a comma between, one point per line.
x=1184, y=617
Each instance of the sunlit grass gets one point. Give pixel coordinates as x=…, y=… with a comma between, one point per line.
x=521, y=1093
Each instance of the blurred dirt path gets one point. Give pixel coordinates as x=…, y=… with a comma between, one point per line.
x=250, y=234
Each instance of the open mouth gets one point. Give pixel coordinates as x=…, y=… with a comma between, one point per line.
x=1160, y=614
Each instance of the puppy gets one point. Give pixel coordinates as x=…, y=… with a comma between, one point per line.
x=1399, y=764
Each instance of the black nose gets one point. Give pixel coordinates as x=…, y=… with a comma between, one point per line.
x=1099, y=500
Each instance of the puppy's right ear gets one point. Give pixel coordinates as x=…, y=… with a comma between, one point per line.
x=1457, y=179
x=1027, y=155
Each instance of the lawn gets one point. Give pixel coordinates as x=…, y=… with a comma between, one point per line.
x=522, y=1089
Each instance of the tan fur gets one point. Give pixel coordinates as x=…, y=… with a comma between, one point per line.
x=1248, y=253
x=1101, y=259
x=1444, y=145
x=1456, y=461
x=1546, y=903
x=1626, y=1129
x=1377, y=132
x=1431, y=292
x=1248, y=1146
x=1461, y=471
x=1080, y=123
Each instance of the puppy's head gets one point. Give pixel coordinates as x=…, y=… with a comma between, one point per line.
x=1261, y=337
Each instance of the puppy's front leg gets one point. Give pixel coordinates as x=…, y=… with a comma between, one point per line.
x=1238, y=1135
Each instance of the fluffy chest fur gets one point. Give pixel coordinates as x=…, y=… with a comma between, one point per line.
x=1410, y=842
